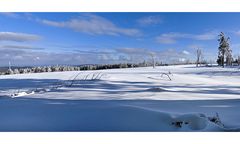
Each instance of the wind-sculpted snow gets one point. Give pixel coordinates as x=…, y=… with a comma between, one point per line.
x=169, y=98
x=27, y=114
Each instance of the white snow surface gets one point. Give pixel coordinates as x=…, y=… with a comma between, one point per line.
x=133, y=99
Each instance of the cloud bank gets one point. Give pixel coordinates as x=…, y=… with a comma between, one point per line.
x=18, y=37
x=92, y=24
x=150, y=20
x=172, y=37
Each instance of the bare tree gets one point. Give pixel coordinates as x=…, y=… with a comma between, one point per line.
x=9, y=66
x=229, y=58
x=199, y=55
x=153, y=59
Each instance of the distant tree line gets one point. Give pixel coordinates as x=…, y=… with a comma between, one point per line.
x=40, y=69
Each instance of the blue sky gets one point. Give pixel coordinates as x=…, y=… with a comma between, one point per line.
x=96, y=38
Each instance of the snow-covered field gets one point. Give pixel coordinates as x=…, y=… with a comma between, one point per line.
x=134, y=99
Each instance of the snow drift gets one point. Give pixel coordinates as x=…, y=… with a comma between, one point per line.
x=139, y=99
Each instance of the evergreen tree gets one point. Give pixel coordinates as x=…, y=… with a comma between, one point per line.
x=223, y=49
x=238, y=60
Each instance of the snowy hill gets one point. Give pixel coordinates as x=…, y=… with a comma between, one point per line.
x=168, y=98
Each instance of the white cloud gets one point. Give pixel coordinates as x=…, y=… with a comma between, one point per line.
x=53, y=23
x=171, y=56
x=195, y=46
x=27, y=47
x=150, y=20
x=18, y=37
x=236, y=32
x=21, y=56
x=235, y=48
x=185, y=52
x=37, y=58
x=170, y=38
x=165, y=40
x=86, y=23
x=181, y=59
x=206, y=36
x=18, y=57
x=93, y=24
x=165, y=56
x=133, y=54
x=10, y=14
x=23, y=16
x=132, y=51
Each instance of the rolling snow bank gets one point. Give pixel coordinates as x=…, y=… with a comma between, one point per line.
x=135, y=99
x=94, y=115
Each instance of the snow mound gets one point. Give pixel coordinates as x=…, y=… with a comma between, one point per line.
x=199, y=122
x=99, y=116
x=30, y=92
x=191, y=121
x=19, y=94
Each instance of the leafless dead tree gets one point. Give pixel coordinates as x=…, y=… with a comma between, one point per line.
x=199, y=54
x=153, y=59
x=166, y=75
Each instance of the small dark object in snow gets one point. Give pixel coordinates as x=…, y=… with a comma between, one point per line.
x=178, y=124
x=213, y=119
x=166, y=75
x=169, y=72
x=216, y=119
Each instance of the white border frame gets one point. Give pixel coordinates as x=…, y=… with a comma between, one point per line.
x=120, y=138
x=119, y=5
